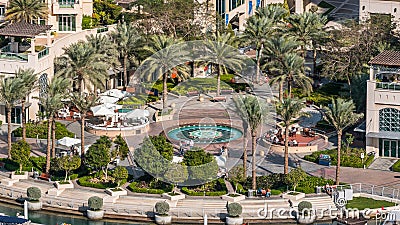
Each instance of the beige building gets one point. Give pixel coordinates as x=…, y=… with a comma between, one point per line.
x=383, y=105
x=391, y=7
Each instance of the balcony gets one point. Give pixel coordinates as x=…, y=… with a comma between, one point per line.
x=392, y=86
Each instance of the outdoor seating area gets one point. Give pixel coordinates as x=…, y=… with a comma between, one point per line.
x=297, y=136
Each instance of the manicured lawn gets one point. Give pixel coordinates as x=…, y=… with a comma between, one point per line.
x=349, y=158
x=364, y=203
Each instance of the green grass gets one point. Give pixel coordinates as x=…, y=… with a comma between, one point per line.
x=364, y=203
x=199, y=84
x=139, y=99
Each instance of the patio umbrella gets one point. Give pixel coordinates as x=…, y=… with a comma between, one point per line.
x=108, y=99
x=114, y=93
x=221, y=160
x=101, y=110
x=67, y=141
x=112, y=106
x=137, y=113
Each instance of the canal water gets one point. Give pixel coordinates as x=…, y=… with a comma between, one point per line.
x=48, y=218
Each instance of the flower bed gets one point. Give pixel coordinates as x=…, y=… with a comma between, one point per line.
x=136, y=187
x=90, y=181
x=213, y=188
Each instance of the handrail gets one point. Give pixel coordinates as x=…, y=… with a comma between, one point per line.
x=395, y=86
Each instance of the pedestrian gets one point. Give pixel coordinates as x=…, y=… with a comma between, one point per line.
x=191, y=144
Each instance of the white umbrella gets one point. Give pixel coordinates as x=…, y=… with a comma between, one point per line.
x=67, y=141
x=221, y=160
x=114, y=93
x=137, y=113
x=101, y=110
x=112, y=106
x=108, y=99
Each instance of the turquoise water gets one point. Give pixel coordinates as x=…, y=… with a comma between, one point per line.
x=205, y=133
x=124, y=110
x=48, y=218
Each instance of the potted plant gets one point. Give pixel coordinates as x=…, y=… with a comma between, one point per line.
x=234, y=212
x=95, y=211
x=120, y=173
x=305, y=213
x=162, y=209
x=34, y=195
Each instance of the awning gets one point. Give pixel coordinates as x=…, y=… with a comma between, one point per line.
x=384, y=134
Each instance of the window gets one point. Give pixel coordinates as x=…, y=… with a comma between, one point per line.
x=2, y=10
x=395, y=10
x=42, y=85
x=389, y=120
x=66, y=23
x=66, y=3
x=363, y=8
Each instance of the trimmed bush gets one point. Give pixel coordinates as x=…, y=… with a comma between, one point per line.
x=84, y=181
x=162, y=208
x=235, y=209
x=304, y=207
x=134, y=188
x=349, y=158
x=34, y=130
x=276, y=192
x=33, y=194
x=95, y=203
x=396, y=166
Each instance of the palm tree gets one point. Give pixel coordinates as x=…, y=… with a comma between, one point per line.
x=276, y=48
x=257, y=31
x=103, y=45
x=165, y=57
x=127, y=40
x=289, y=109
x=306, y=27
x=55, y=91
x=83, y=103
x=26, y=10
x=253, y=110
x=222, y=53
x=243, y=116
x=81, y=63
x=28, y=78
x=291, y=71
x=8, y=94
x=341, y=115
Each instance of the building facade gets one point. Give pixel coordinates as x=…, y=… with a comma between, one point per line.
x=383, y=105
x=389, y=7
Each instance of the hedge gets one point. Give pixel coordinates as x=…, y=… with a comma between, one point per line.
x=133, y=187
x=396, y=166
x=37, y=163
x=350, y=159
x=84, y=181
x=39, y=130
x=189, y=192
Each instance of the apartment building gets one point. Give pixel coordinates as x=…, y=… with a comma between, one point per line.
x=383, y=105
x=35, y=45
x=389, y=7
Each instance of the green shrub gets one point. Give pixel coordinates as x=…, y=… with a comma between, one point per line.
x=275, y=192
x=304, y=207
x=34, y=130
x=349, y=158
x=186, y=190
x=134, y=188
x=95, y=203
x=162, y=208
x=235, y=209
x=33, y=193
x=84, y=181
x=216, y=193
x=87, y=22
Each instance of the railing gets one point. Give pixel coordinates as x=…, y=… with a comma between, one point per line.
x=67, y=4
x=43, y=53
x=14, y=56
x=102, y=29
x=382, y=191
x=388, y=86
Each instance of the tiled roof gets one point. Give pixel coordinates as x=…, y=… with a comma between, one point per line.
x=23, y=29
x=387, y=58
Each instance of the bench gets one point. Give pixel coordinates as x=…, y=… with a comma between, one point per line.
x=44, y=176
x=192, y=93
x=219, y=99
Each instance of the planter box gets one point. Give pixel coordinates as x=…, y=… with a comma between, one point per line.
x=95, y=215
x=24, y=176
x=303, y=219
x=299, y=195
x=116, y=193
x=163, y=219
x=233, y=199
x=32, y=206
x=64, y=186
x=173, y=197
x=234, y=220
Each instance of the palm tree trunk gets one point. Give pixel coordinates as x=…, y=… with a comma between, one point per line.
x=83, y=116
x=23, y=119
x=286, y=168
x=253, y=168
x=165, y=91
x=339, y=139
x=53, y=139
x=219, y=81
x=125, y=71
x=48, y=152
x=245, y=150
x=259, y=52
x=314, y=61
x=280, y=91
x=9, y=131
x=289, y=85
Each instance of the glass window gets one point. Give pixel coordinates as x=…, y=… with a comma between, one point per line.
x=389, y=120
x=66, y=23
x=2, y=10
